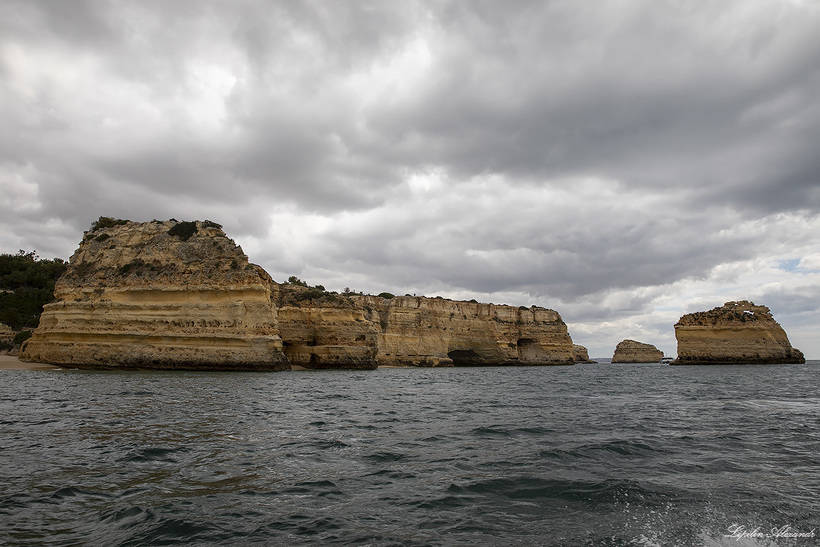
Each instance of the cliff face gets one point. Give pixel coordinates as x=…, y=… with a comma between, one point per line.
x=362, y=331
x=421, y=331
x=159, y=295
x=630, y=351
x=6, y=334
x=325, y=330
x=735, y=333
x=580, y=354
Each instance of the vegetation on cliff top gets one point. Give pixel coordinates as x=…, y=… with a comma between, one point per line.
x=26, y=284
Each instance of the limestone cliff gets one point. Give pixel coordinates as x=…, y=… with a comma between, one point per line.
x=324, y=330
x=630, y=351
x=580, y=354
x=157, y=294
x=420, y=331
x=735, y=333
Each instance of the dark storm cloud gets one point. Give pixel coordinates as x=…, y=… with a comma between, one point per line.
x=579, y=148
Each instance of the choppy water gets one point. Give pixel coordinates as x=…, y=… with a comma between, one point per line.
x=591, y=454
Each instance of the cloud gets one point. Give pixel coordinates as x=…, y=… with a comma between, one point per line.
x=620, y=162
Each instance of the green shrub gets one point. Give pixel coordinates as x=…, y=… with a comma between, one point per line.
x=234, y=264
x=21, y=337
x=210, y=224
x=293, y=280
x=310, y=294
x=107, y=222
x=386, y=295
x=184, y=230
x=102, y=237
x=320, y=287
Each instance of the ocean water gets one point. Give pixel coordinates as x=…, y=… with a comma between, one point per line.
x=584, y=455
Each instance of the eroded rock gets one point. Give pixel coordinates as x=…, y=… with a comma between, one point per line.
x=631, y=351
x=735, y=333
x=177, y=295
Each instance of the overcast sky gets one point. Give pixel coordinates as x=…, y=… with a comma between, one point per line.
x=622, y=162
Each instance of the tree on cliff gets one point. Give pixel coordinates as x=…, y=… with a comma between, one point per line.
x=26, y=284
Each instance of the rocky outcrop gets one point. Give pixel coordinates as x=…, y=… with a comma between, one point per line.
x=735, y=333
x=580, y=354
x=6, y=334
x=630, y=351
x=420, y=331
x=327, y=330
x=176, y=295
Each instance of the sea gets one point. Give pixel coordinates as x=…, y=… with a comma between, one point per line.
x=592, y=454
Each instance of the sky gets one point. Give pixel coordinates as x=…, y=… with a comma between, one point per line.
x=621, y=162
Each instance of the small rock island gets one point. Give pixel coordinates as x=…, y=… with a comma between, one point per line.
x=735, y=333
x=182, y=295
x=580, y=354
x=631, y=351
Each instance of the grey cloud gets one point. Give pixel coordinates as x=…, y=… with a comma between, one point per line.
x=693, y=118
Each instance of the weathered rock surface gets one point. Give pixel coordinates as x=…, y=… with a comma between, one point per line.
x=420, y=331
x=6, y=334
x=580, y=354
x=159, y=295
x=735, y=333
x=630, y=351
x=322, y=330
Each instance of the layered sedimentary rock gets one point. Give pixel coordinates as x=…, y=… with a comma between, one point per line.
x=630, y=351
x=421, y=331
x=324, y=330
x=735, y=333
x=159, y=295
x=580, y=354
x=6, y=334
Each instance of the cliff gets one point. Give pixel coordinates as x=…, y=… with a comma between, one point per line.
x=322, y=330
x=735, y=333
x=580, y=354
x=630, y=351
x=6, y=335
x=420, y=331
x=325, y=330
x=177, y=295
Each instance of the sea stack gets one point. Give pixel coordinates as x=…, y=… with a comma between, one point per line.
x=580, y=354
x=630, y=351
x=166, y=295
x=735, y=333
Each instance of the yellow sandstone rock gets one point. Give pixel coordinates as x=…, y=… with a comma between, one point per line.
x=630, y=351
x=580, y=354
x=177, y=295
x=735, y=333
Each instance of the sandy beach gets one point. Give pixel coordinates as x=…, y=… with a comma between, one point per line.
x=11, y=362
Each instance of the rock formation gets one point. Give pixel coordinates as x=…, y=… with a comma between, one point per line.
x=580, y=354
x=420, y=331
x=6, y=334
x=735, y=333
x=177, y=295
x=183, y=295
x=630, y=351
x=323, y=330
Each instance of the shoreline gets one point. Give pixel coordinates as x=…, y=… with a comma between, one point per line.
x=11, y=362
